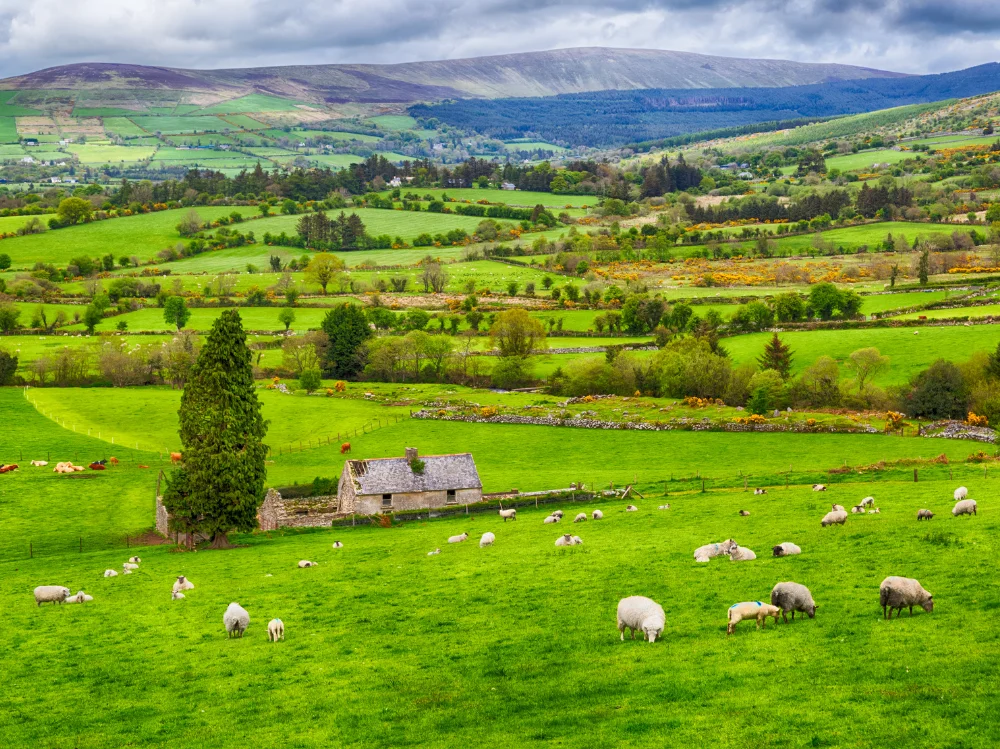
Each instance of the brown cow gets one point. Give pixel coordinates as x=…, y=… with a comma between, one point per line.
x=175, y=457
x=345, y=448
x=113, y=460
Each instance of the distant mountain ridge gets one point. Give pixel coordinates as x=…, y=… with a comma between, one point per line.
x=563, y=71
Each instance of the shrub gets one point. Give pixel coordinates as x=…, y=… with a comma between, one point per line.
x=310, y=379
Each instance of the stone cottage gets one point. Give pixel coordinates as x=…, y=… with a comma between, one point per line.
x=412, y=482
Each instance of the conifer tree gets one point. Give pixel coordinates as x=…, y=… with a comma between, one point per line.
x=777, y=356
x=221, y=484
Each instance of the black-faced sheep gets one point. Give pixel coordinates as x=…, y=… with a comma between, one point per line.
x=786, y=549
x=597, y=515
x=744, y=513
x=307, y=563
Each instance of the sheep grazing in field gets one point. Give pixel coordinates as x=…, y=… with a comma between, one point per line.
x=551, y=519
x=236, y=619
x=487, y=540
x=704, y=553
x=432, y=553
x=182, y=583
x=307, y=563
x=742, y=554
x=134, y=560
x=965, y=507
x=819, y=487
x=760, y=491
x=596, y=515
x=868, y=502
x=338, y=545
x=902, y=592
x=510, y=514
x=834, y=517
x=458, y=539
x=750, y=610
x=568, y=540
x=663, y=507
x=787, y=549
x=838, y=508
x=51, y=594
x=110, y=573
x=580, y=518
x=744, y=513
x=80, y=597
x=638, y=613
x=793, y=597
x=176, y=595
x=557, y=514
x=961, y=493
x=130, y=566
x=631, y=508
x=39, y=463
x=924, y=514
x=275, y=630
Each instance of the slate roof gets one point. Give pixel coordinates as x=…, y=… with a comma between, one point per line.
x=394, y=476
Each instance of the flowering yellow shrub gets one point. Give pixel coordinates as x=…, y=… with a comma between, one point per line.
x=340, y=386
x=751, y=419
x=488, y=411
x=977, y=421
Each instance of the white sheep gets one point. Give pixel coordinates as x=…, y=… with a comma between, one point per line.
x=900, y=592
x=458, y=539
x=580, y=518
x=741, y=554
x=551, y=519
x=839, y=508
x=961, y=493
x=275, y=630
x=39, y=463
x=568, y=540
x=130, y=566
x=786, y=549
x=760, y=491
x=510, y=514
x=750, y=610
x=642, y=614
x=663, y=507
x=487, y=539
x=965, y=507
x=134, y=560
x=110, y=573
x=182, y=583
x=596, y=515
x=307, y=563
x=704, y=553
x=577, y=541
x=50, y=594
x=176, y=595
x=432, y=553
x=876, y=511
x=744, y=513
x=80, y=597
x=868, y=502
x=631, y=508
x=557, y=514
x=126, y=572
x=819, y=487
x=338, y=545
x=236, y=619
x=834, y=517
x=857, y=510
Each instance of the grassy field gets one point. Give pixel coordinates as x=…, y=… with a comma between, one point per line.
x=863, y=160
x=394, y=122
x=106, y=154
x=405, y=224
x=987, y=310
x=524, y=198
x=444, y=645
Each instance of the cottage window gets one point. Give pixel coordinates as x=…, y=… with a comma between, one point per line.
x=387, y=500
x=302, y=512
x=452, y=499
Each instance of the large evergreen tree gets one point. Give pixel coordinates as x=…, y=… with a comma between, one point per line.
x=221, y=484
x=347, y=329
x=777, y=356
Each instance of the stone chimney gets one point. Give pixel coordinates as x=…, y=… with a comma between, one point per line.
x=411, y=454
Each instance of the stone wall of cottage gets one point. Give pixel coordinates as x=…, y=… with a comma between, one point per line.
x=370, y=504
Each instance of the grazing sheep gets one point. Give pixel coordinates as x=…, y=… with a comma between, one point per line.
x=110, y=573
x=663, y=507
x=236, y=620
x=744, y=513
x=961, y=493
x=631, y=508
x=176, y=595
x=819, y=487
x=557, y=514
x=704, y=553
x=642, y=614
x=965, y=507
x=760, y=491
x=834, y=517
x=793, y=597
x=50, y=594
x=307, y=563
x=742, y=554
x=338, y=545
x=134, y=560
x=551, y=519
x=510, y=514
x=580, y=518
x=275, y=630
x=868, y=502
x=182, y=584
x=786, y=549
x=432, y=553
x=80, y=597
x=900, y=592
x=129, y=566
x=838, y=508
x=597, y=515
x=568, y=540
x=458, y=539
x=924, y=514
x=487, y=540
x=750, y=610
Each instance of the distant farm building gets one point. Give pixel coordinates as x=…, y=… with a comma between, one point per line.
x=508, y=186
x=395, y=182
x=368, y=487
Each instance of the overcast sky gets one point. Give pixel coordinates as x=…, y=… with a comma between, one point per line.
x=919, y=36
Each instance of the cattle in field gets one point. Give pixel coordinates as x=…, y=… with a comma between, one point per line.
x=345, y=448
x=175, y=457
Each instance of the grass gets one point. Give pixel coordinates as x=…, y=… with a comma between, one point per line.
x=863, y=160
x=251, y=103
x=533, y=145
x=8, y=130
x=99, y=154
x=405, y=224
x=394, y=122
x=244, y=122
x=123, y=126
x=524, y=198
x=986, y=310
x=173, y=125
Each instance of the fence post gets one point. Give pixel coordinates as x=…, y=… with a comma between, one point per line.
x=914, y=475
x=81, y=544
x=703, y=486
x=31, y=550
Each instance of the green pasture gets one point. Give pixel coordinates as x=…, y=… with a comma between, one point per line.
x=123, y=126
x=533, y=145
x=405, y=224
x=177, y=124
x=853, y=237
x=988, y=310
x=87, y=153
x=7, y=109
x=8, y=130
x=254, y=318
x=864, y=159
x=332, y=160
x=342, y=136
x=13, y=223
x=243, y=121
x=953, y=141
x=878, y=303
x=251, y=103
x=523, y=198
x=394, y=122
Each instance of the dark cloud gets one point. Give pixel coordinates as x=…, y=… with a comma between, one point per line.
x=920, y=36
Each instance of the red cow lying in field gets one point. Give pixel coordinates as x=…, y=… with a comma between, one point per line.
x=96, y=466
x=8, y=469
x=345, y=448
x=175, y=457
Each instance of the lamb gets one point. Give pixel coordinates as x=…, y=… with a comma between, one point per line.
x=961, y=493
x=307, y=563
x=876, y=511
x=432, y=553
x=134, y=560
x=551, y=519
x=834, y=517
x=50, y=594
x=510, y=514
x=577, y=541
x=642, y=614
x=786, y=549
x=275, y=630
x=868, y=502
x=597, y=515
x=924, y=514
x=236, y=620
x=580, y=518
x=338, y=545
x=965, y=507
x=557, y=514
x=39, y=463
x=744, y=513
x=458, y=539
x=704, y=553
x=631, y=508
x=839, y=508
x=742, y=554
x=900, y=592
x=568, y=540
x=126, y=572
x=80, y=597
x=793, y=597
x=182, y=584
x=857, y=510
x=750, y=610
x=819, y=487
x=487, y=540
x=760, y=491
x=176, y=595
x=663, y=507
x=130, y=566
x=110, y=573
